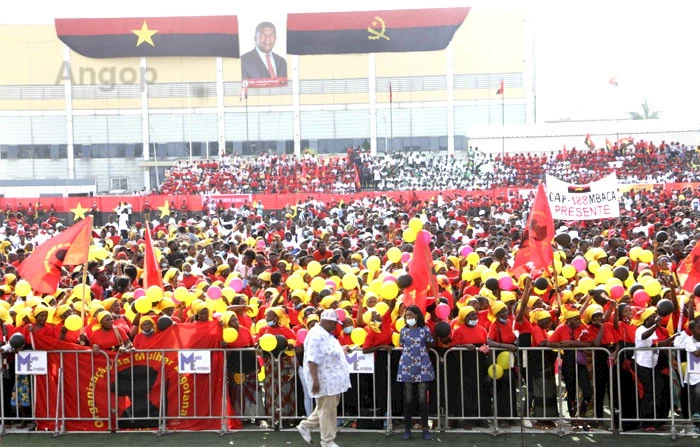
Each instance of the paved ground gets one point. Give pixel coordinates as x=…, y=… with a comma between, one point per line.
x=353, y=439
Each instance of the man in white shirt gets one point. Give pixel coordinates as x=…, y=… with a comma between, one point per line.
x=327, y=377
x=651, y=401
x=692, y=346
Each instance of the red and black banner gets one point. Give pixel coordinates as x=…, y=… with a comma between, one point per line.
x=373, y=31
x=579, y=188
x=151, y=36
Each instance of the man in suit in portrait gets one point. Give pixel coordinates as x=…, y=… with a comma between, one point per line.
x=261, y=62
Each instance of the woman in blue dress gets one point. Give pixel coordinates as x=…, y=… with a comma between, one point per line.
x=415, y=369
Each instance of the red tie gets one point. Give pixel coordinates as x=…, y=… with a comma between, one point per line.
x=269, y=65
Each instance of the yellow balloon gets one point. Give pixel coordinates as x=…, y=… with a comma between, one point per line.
x=381, y=308
x=157, y=252
x=653, y=287
x=603, y=275
x=349, y=281
x=410, y=236
x=394, y=254
x=336, y=280
x=375, y=286
x=268, y=342
x=504, y=360
x=228, y=292
x=486, y=274
x=684, y=368
x=317, y=284
x=495, y=371
x=389, y=290
x=629, y=282
x=295, y=282
x=313, y=268
x=568, y=271
x=253, y=311
x=635, y=252
x=143, y=305
x=239, y=378
x=593, y=266
x=154, y=293
x=473, y=259
x=646, y=256
x=395, y=338
x=415, y=225
x=230, y=335
x=181, y=293
x=259, y=325
x=373, y=263
x=644, y=279
x=400, y=324
x=358, y=336
x=586, y=284
x=23, y=288
x=73, y=323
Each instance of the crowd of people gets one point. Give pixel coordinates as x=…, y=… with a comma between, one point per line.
x=614, y=284
x=640, y=162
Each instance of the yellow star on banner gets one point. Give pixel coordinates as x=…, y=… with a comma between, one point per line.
x=145, y=34
x=165, y=209
x=78, y=212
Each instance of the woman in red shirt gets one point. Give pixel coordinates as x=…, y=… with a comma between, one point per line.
x=502, y=337
x=108, y=337
x=603, y=335
x=61, y=332
x=476, y=385
x=541, y=378
x=572, y=334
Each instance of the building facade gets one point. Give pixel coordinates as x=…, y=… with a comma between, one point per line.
x=123, y=121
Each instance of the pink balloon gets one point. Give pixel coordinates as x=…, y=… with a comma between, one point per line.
x=138, y=293
x=214, y=292
x=341, y=315
x=442, y=311
x=640, y=298
x=260, y=244
x=505, y=283
x=301, y=336
x=425, y=236
x=464, y=251
x=390, y=278
x=405, y=257
x=330, y=284
x=642, y=266
x=617, y=291
x=236, y=284
x=217, y=316
x=579, y=263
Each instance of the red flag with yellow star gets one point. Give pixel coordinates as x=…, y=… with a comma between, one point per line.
x=152, y=275
x=42, y=269
x=151, y=36
x=540, y=230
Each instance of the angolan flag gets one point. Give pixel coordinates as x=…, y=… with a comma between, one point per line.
x=151, y=36
x=373, y=31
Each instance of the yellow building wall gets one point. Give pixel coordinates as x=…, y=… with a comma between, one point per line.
x=30, y=55
x=341, y=66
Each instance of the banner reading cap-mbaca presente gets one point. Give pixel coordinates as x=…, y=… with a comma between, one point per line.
x=151, y=36
x=373, y=31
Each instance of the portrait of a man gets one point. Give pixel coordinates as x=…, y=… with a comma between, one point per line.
x=261, y=62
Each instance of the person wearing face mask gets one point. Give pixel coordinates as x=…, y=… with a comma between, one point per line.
x=502, y=337
x=147, y=328
x=415, y=369
x=475, y=400
x=543, y=385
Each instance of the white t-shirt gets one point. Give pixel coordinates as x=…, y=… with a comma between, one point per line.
x=693, y=369
x=645, y=358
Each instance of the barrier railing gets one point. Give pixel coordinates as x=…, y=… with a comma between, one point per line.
x=33, y=391
x=559, y=391
x=655, y=396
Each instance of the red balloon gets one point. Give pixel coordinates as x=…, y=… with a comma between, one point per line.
x=617, y=291
x=442, y=311
x=640, y=298
x=301, y=336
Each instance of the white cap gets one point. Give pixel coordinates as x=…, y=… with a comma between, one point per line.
x=330, y=315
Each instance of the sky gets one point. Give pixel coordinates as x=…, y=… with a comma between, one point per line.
x=578, y=46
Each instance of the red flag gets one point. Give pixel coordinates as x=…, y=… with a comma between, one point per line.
x=608, y=144
x=589, y=142
x=358, y=183
x=541, y=231
x=42, y=269
x=151, y=267
x=500, y=88
x=421, y=270
x=391, y=94
x=689, y=268
x=564, y=152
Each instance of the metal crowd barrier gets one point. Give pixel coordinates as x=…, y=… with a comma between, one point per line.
x=657, y=400
x=558, y=391
x=19, y=393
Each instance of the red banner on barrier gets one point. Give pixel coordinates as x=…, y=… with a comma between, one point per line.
x=193, y=401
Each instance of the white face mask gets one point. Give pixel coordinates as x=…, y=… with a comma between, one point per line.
x=472, y=323
x=411, y=322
